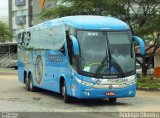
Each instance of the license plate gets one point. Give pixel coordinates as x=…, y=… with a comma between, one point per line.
x=110, y=93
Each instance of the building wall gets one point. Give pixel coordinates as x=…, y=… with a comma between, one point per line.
x=31, y=10
x=157, y=65
x=157, y=60
x=18, y=8
x=37, y=9
x=19, y=16
x=10, y=15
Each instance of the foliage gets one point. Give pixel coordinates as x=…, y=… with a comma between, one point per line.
x=4, y=33
x=83, y=7
x=143, y=18
x=148, y=82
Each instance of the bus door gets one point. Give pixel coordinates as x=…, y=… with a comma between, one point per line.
x=51, y=69
x=56, y=56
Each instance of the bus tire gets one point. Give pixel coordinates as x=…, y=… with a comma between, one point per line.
x=27, y=83
x=67, y=98
x=112, y=100
x=30, y=86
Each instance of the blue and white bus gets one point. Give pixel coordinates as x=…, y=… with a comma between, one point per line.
x=86, y=57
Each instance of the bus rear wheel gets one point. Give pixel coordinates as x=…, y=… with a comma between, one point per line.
x=29, y=84
x=67, y=98
x=112, y=100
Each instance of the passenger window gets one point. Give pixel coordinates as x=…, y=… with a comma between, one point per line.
x=62, y=49
x=74, y=60
x=69, y=46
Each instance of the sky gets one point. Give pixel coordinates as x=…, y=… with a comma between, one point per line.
x=3, y=7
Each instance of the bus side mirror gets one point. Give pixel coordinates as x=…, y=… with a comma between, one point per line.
x=141, y=44
x=75, y=45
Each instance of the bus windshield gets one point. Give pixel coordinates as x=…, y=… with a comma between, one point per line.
x=106, y=53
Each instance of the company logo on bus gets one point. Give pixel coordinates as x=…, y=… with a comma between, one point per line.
x=24, y=39
x=110, y=86
x=38, y=69
x=55, y=58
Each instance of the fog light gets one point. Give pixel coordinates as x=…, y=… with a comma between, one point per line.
x=131, y=92
x=86, y=93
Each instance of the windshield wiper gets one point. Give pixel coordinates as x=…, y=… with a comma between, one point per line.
x=131, y=50
x=102, y=65
x=111, y=59
x=118, y=67
x=112, y=63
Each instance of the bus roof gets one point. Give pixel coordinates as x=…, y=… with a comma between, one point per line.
x=95, y=22
x=86, y=22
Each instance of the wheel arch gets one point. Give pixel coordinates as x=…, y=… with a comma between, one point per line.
x=61, y=83
x=25, y=76
x=29, y=73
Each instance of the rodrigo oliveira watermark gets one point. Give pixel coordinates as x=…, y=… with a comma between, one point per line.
x=139, y=114
x=9, y=115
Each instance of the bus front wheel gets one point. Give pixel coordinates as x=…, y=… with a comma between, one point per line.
x=112, y=99
x=67, y=98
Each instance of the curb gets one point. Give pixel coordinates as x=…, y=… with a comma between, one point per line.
x=147, y=88
x=7, y=73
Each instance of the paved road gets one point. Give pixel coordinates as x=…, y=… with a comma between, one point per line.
x=14, y=97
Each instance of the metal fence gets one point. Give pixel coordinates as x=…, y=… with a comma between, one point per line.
x=8, y=55
x=8, y=60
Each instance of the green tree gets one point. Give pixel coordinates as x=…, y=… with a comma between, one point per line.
x=5, y=35
x=143, y=18
x=128, y=10
x=83, y=7
x=141, y=15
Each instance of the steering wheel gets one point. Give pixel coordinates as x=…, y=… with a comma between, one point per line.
x=102, y=69
x=95, y=63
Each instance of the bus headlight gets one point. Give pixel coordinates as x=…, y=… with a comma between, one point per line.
x=132, y=80
x=78, y=80
x=83, y=82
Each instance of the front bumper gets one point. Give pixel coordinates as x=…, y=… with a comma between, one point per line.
x=86, y=92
